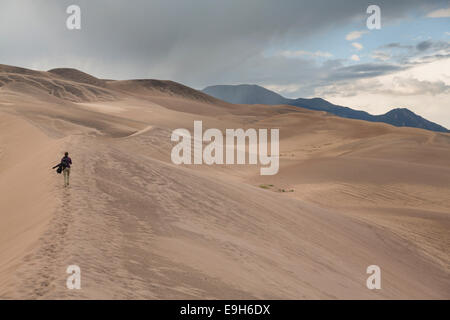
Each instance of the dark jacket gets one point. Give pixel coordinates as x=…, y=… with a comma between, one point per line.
x=66, y=162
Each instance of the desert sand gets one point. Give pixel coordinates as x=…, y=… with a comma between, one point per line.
x=348, y=194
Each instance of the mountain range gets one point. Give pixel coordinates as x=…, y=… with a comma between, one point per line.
x=254, y=94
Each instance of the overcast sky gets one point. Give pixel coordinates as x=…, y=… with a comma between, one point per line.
x=297, y=48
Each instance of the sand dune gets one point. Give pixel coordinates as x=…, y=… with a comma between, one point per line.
x=139, y=226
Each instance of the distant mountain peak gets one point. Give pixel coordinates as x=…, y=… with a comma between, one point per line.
x=401, y=110
x=245, y=94
x=254, y=94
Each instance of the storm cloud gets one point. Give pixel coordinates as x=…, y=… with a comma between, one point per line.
x=196, y=42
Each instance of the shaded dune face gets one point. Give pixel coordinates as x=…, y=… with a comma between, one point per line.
x=348, y=194
x=56, y=85
x=76, y=86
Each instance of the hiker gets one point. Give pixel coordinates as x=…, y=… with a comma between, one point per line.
x=64, y=168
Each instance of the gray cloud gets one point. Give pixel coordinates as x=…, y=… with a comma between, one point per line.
x=424, y=45
x=401, y=86
x=366, y=70
x=196, y=42
x=410, y=55
x=397, y=45
x=412, y=86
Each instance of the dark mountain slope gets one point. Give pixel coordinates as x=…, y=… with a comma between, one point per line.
x=253, y=94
